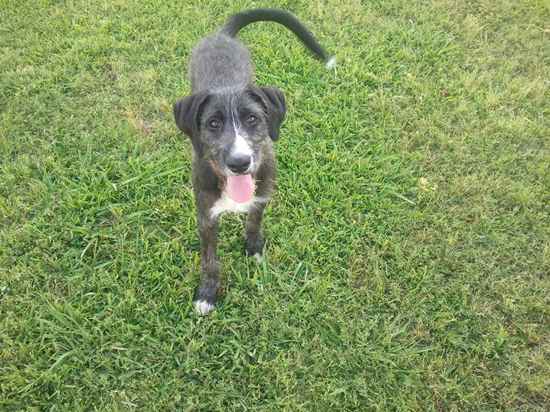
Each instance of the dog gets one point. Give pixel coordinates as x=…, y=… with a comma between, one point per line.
x=232, y=124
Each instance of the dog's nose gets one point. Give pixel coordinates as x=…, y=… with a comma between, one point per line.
x=239, y=163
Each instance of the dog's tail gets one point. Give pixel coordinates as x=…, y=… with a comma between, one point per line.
x=240, y=20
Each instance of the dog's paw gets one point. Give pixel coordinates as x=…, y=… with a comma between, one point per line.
x=255, y=247
x=202, y=307
x=259, y=258
x=206, y=296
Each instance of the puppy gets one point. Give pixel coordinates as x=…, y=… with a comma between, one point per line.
x=232, y=124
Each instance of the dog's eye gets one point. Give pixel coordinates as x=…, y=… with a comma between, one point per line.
x=214, y=124
x=251, y=119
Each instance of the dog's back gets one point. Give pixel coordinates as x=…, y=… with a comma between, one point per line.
x=220, y=62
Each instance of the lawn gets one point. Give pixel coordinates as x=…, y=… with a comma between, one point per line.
x=408, y=256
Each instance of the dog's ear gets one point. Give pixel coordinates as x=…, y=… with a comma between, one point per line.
x=274, y=102
x=187, y=113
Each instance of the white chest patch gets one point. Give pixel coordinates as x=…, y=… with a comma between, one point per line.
x=226, y=204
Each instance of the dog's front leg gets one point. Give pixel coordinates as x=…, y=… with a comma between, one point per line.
x=254, y=238
x=207, y=292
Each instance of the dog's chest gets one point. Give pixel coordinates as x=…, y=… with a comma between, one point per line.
x=226, y=204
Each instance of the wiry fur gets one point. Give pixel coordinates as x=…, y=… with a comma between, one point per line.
x=225, y=116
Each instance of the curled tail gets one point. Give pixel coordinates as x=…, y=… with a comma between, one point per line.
x=240, y=20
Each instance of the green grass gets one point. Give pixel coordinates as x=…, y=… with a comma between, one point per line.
x=408, y=263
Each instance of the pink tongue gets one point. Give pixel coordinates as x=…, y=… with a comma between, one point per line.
x=240, y=188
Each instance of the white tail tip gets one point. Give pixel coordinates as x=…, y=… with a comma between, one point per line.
x=331, y=63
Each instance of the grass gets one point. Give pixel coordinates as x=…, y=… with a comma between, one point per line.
x=408, y=264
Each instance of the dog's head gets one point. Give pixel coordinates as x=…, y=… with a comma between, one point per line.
x=229, y=128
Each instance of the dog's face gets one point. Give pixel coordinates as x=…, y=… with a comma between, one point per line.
x=230, y=128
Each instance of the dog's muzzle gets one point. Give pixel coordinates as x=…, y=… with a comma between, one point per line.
x=239, y=163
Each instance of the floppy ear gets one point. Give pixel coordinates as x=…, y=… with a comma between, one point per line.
x=187, y=113
x=276, y=109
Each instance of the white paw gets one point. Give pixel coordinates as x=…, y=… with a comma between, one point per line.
x=203, y=307
x=259, y=258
